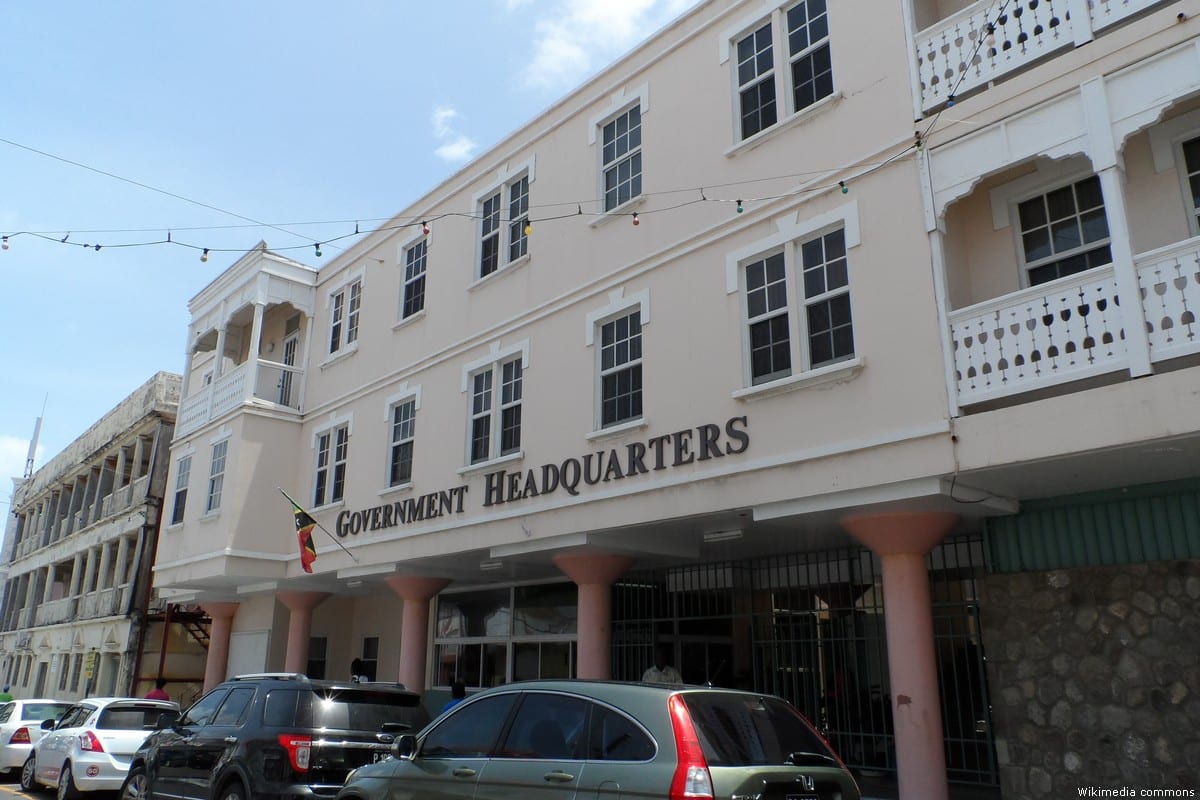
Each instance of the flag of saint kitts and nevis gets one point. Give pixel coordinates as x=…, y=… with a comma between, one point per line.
x=304, y=529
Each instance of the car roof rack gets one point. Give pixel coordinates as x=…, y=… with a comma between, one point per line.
x=279, y=676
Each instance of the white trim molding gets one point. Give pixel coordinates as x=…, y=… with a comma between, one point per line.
x=617, y=303
x=788, y=229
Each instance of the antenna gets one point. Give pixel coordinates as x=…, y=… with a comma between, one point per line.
x=33, y=443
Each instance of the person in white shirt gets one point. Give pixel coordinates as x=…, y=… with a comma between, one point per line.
x=661, y=671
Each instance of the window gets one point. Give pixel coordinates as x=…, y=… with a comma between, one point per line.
x=546, y=726
x=183, y=473
x=622, y=158
x=503, y=241
x=64, y=666
x=496, y=415
x=233, y=710
x=332, y=452
x=823, y=317
x=1191, y=162
x=343, y=319
x=76, y=671
x=412, y=298
x=216, y=476
x=615, y=737
x=201, y=712
x=318, y=648
x=403, y=421
x=807, y=75
x=471, y=732
x=370, y=657
x=621, y=369
x=1064, y=231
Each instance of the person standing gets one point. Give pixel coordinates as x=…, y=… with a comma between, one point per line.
x=661, y=671
x=158, y=692
x=357, y=670
x=5, y=696
x=458, y=693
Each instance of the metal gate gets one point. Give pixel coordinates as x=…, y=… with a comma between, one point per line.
x=809, y=627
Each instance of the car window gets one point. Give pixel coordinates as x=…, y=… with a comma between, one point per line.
x=745, y=729
x=549, y=726
x=280, y=708
x=471, y=729
x=615, y=737
x=201, y=711
x=129, y=717
x=74, y=717
x=359, y=709
x=6, y=711
x=233, y=710
x=41, y=711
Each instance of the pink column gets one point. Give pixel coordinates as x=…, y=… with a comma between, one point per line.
x=218, y=641
x=415, y=591
x=594, y=574
x=902, y=540
x=300, y=605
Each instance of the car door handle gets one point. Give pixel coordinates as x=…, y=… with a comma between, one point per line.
x=464, y=772
x=230, y=740
x=558, y=776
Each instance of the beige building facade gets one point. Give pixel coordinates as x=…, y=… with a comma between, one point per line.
x=723, y=354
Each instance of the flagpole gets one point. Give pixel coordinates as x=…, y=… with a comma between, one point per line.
x=318, y=524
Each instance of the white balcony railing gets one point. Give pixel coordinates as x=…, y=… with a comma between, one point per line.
x=266, y=381
x=1072, y=328
x=988, y=40
x=55, y=611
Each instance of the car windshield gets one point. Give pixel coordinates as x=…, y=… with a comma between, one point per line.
x=745, y=729
x=129, y=718
x=359, y=710
x=43, y=711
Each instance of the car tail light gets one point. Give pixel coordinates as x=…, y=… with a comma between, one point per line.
x=691, y=779
x=20, y=736
x=88, y=741
x=298, y=749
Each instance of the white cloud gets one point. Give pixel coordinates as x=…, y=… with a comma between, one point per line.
x=455, y=147
x=586, y=34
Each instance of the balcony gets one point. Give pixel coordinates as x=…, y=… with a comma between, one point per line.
x=1072, y=328
x=55, y=611
x=104, y=603
x=959, y=53
x=261, y=382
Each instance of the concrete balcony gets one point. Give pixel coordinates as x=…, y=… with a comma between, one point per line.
x=104, y=603
x=261, y=382
x=979, y=44
x=55, y=611
x=1071, y=329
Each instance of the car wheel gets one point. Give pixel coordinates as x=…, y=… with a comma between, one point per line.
x=234, y=791
x=134, y=787
x=27, y=782
x=66, y=783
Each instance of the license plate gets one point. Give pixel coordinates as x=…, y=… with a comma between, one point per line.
x=382, y=755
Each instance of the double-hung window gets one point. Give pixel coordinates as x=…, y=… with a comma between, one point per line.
x=495, y=425
x=403, y=432
x=344, y=305
x=504, y=224
x=1064, y=231
x=412, y=295
x=216, y=476
x=784, y=56
x=1191, y=165
x=333, y=448
x=621, y=369
x=183, y=473
x=814, y=330
x=621, y=156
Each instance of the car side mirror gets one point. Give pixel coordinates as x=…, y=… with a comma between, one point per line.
x=48, y=724
x=167, y=719
x=405, y=746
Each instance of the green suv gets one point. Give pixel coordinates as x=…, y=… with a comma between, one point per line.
x=601, y=740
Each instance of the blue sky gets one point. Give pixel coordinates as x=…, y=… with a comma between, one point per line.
x=282, y=112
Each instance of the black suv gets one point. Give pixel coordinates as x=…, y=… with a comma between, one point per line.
x=277, y=736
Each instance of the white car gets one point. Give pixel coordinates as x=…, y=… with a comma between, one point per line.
x=91, y=746
x=21, y=728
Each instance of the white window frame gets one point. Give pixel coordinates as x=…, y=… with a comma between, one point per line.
x=793, y=231
x=216, y=480
x=780, y=73
x=493, y=363
x=406, y=249
x=619, y=103
x=342, y=300
x=1166, y=146
x=510, y=231
x=406, y=394
x=325, y=496
x=619, y=305
x=630, y=155
x=183, y=474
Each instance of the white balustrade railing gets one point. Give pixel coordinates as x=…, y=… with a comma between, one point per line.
x=229, y=390
x=1059, y=331
x=278, y=383
x=193, y=411
x=266, y=380
x=987, y=40
x=1169, y=281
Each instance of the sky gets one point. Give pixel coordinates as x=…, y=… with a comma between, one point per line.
x=287, y=112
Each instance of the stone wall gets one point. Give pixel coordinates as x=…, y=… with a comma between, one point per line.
x=1094, y=676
